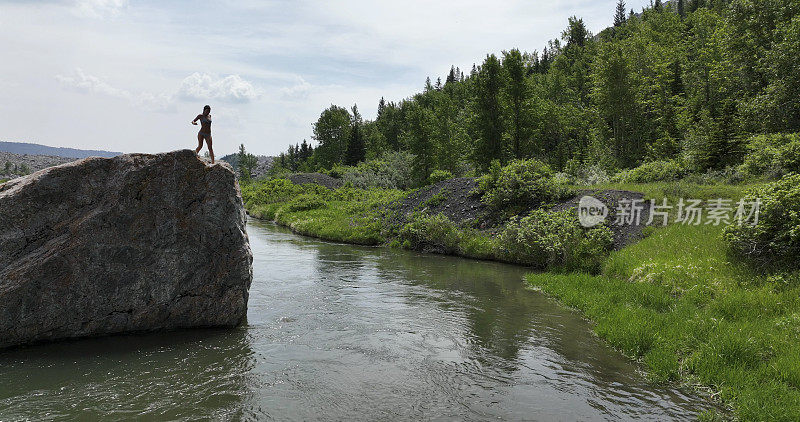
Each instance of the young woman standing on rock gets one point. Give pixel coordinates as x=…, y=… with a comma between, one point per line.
x=205, y=131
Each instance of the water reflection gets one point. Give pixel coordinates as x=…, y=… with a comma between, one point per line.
x=175, y=376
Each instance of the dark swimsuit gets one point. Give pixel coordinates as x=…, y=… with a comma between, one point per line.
x=203, y=121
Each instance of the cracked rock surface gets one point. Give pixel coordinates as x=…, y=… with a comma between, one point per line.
x=138, y=242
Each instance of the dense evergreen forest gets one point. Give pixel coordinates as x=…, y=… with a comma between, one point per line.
x=685, y=82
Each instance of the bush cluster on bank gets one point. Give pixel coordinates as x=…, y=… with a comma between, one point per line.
x=775, y=239
x=519, y=186
x=391, y=171
x=772, y=156
x=545, y=239
x=541, y=240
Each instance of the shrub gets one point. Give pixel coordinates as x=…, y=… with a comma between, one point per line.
x=436, y=200
x=277, y=190
x=554, y=239
x=585, y=175
x=789, y=157
x=520, y=185
x=654, y=171
x=391, y=171
x=439, y=175
x=429, y=233
x=306, y=202
x=728, y=175
x=772, y=155
x=775, y=239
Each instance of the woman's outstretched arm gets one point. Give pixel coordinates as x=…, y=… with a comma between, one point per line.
x=194, y=122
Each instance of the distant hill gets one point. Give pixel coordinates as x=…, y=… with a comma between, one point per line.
x=36, y=149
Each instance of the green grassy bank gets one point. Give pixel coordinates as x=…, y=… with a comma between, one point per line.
x=678, y=303
x=343, y=215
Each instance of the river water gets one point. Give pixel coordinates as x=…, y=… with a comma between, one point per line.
x=340, y=332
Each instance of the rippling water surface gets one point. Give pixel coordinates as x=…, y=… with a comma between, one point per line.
x=343, y=332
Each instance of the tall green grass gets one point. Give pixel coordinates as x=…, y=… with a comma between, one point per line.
x=676, y=190
x=343, y=215
x=677, y=302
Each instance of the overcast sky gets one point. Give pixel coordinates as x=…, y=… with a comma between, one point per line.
x=128, y=75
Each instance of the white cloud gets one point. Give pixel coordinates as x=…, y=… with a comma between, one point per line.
x=93, y=84
x=194, y=87
x=99, y=9
x=81, y=81
x=299, y=90
x=202, y=86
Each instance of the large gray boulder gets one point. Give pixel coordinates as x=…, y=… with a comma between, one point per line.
x=138, y=242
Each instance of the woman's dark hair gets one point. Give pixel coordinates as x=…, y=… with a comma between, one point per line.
x=207, y=107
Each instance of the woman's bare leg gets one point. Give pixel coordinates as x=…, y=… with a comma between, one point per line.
x=199, y=144
x=210, y=148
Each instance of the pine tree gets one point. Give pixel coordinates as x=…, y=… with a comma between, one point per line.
x=489, y=112
x=544, y=63
x=576, y=33
x=305, y=151
x=246, y=163
x=356, y=150
x=451, y=77
x=294, y=156
x=381, y=108
x=516, y=91
x=619, y=16
x=681, y=9
x=658, y=6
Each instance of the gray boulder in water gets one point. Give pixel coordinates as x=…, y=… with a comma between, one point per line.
x=138, y=242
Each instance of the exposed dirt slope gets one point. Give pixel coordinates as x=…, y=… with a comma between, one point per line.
x=457, y=200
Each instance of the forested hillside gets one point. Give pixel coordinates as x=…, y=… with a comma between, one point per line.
x=684, y=84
